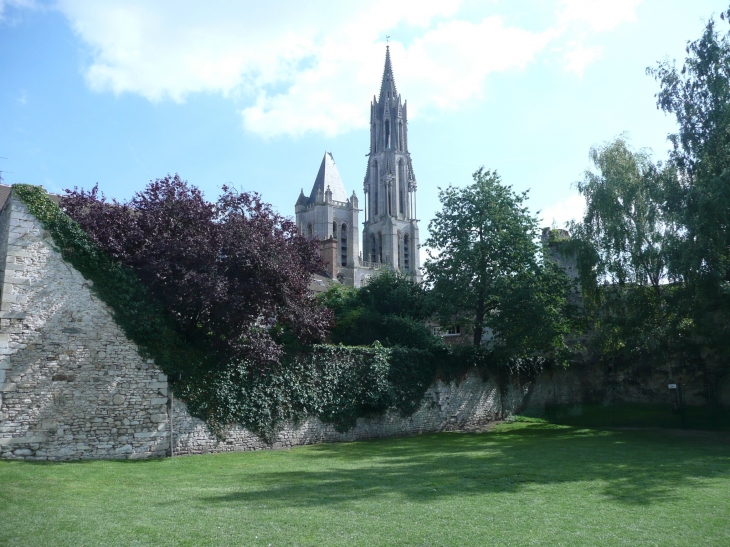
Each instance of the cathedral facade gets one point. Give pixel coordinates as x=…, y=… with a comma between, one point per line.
x=390, y=229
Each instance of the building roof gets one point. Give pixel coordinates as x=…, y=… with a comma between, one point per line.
x=320, y=283
x=328, y=176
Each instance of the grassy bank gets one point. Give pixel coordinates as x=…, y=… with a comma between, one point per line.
x=526, y=483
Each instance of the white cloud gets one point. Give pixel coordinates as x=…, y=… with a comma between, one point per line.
x=598, y=15
x=577, y=57
x=441, y=68
x=571, y=208
x=583, y=19
x=313, y=66
x=170, y=49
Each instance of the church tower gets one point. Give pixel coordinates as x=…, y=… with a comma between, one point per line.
x=390, y=230
x=329, y=216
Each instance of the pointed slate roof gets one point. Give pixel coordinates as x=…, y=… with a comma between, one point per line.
x=328, y=176
x=302, y=198
x=388, y=83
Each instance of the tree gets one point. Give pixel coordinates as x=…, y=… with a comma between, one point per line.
x=484, y=264
x=391, y=309
x=625, y=219
x=698, y=95
x=226, y=272
x=624, y=243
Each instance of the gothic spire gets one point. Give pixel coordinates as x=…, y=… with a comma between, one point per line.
x=387, y=88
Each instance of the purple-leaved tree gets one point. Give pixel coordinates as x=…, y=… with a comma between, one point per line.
x=227, y=272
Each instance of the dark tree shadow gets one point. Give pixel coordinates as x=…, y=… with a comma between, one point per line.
x=631, y=467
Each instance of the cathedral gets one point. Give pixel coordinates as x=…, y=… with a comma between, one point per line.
x=390, y=228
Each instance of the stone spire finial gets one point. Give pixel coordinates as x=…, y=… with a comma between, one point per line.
x=387, y=87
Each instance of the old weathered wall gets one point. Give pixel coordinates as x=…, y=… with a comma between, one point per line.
x=468, y=405
x=71, y=384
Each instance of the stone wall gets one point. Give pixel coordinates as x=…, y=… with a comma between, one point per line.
x=467, y=405
x=72, y=386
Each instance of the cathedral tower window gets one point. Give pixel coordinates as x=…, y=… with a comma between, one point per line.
x=334, y=230
x=406, y=253
x=376, y=181
x=343, y=245
x=380, y=247
x=373, y=249
x=310, y=232
x=401, y=185
x=387, y=133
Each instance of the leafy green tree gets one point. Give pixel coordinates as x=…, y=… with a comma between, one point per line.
x=698, y=95
x=486, y=266
x=625, y=219
x=624, y=242
x=390, y=309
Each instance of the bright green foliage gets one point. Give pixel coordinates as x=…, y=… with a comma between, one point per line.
x=390, y=309
x=624, y=219
x=485, y=266
x=698, y=95
x=623, y=245
x=392, y=293
x=526, y=483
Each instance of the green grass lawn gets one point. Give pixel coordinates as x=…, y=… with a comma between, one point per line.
x=526, y=483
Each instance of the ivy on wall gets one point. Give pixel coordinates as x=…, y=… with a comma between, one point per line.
x=136, y=314
x=338, y=384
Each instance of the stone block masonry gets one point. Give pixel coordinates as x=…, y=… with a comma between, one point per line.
x=72, y=386
x=467, y=405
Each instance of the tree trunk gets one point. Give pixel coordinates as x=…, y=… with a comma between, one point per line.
x=479, y=321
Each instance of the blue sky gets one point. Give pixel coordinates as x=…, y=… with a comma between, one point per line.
x=252, y=94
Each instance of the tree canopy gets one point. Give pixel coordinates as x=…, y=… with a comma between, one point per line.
x=226, y=272
x=625, y=220
x=623, y=245
x=485, y=266
x=391, y=309
x=698, y=198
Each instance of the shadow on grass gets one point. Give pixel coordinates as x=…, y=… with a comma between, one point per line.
x=636, y=468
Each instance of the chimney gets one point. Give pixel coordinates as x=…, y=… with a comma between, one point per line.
x=329, y=256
